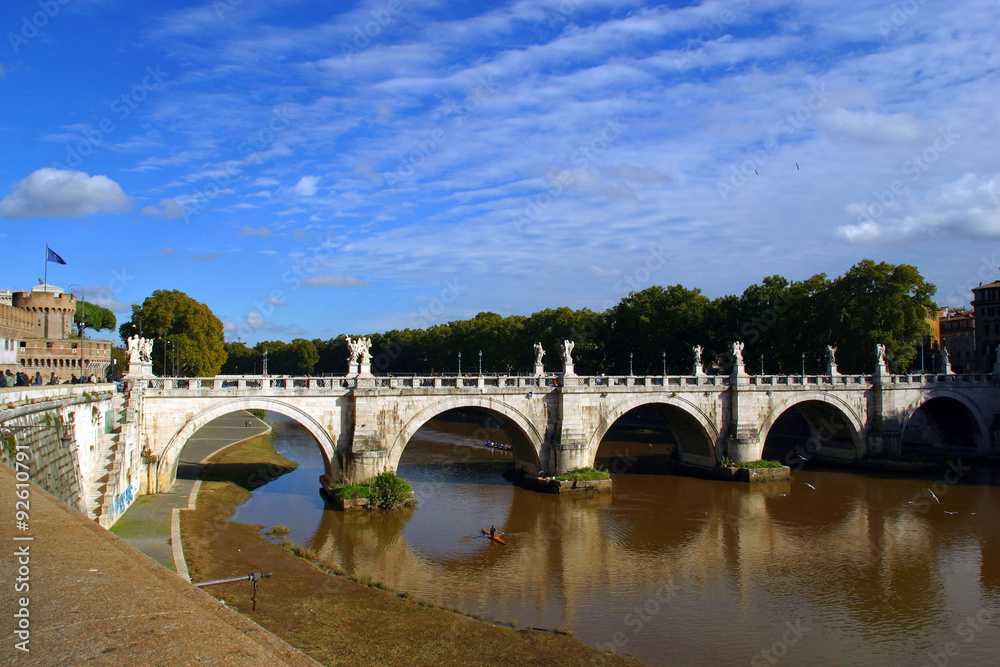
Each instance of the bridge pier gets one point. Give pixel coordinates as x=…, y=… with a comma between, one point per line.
x=362, y=465
x=570, y=457
x=743, y=443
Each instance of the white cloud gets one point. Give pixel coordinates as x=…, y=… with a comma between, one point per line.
x=169, y=209
x=255, y=231
x=603, y=273
x=333, y=280
x=643, y=175
x=59, y=193
x=306, y=187
x=873, y=128
x=968, y=208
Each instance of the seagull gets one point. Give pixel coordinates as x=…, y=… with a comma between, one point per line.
x=755, y=171
x=934, y=497
x=796, y=166
x=947, y=512
x=810, y=486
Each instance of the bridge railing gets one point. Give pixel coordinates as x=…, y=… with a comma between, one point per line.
x=931, y=379
x=339, y=383
x=805, y=380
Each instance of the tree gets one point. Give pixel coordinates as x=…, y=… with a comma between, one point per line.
x=301, y=357
x=878, y=303
x=193, y=336
x=652, y=322
x=240, y=359
x=94, y=317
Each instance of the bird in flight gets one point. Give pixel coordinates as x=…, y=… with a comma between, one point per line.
x=797, y=166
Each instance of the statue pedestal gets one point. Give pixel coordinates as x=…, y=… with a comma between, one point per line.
x=881, y=372
x=568, y=370
x=539, y=369
x=365, y=368
x=141, y=369
x=352, y=368
x=831, y=370
x=698, y=370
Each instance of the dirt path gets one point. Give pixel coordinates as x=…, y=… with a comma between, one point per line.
x=333, y=619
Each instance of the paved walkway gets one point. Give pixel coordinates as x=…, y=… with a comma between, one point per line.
x=76, y=594
x=146, y=525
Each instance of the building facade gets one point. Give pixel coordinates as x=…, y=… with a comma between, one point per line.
x=15, y=326
x=986, y=310
x=958, y=336
x=38, y=336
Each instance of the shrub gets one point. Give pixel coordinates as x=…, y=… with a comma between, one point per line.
x=386, y=490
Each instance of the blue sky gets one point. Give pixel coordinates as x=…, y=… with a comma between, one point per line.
x=317, y=168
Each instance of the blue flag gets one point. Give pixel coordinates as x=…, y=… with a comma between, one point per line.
x=53, y=257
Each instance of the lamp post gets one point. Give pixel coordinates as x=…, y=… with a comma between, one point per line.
x=761, y=363
x=630, y=364
x=480, y=362
x=803, y=365
x=459, y=363
x=664, y=363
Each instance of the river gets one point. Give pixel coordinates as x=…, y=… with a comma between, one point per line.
x=833, y=568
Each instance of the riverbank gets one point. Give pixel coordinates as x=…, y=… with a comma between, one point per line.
x=329, y=617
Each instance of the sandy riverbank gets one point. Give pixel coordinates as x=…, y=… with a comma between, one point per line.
x=331, y=618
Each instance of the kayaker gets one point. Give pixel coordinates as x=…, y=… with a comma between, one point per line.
x=493, y=532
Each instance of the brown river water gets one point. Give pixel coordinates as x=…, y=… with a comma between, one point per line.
x=836, y=567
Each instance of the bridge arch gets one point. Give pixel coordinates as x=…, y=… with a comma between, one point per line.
x=526, y=440
x=695, y=433
x=172, y=452
x=831, y=419
x=939, y=397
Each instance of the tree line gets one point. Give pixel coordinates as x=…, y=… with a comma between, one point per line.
x=785, y=324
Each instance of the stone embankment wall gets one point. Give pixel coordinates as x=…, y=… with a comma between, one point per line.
x=76, y=444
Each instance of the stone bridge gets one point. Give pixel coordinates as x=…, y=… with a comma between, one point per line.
x=362, y=423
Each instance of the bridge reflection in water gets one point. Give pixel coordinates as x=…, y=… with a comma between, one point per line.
x=834, y=567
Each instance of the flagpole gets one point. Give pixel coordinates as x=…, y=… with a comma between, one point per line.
x=45, y=285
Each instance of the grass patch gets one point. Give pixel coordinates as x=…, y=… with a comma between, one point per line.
x=129, y=528
x=726, y=462
x=278, y=531
x=579, y=474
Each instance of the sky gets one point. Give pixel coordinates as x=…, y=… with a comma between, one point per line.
x=308, y=169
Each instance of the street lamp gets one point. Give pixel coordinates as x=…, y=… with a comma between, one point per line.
x=630, y=364
x=761, y=363
x=459, y=363
x=664, y=363
x=803, y=364
x=480, y=362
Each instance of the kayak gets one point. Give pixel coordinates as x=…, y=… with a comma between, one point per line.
x=495, y=538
